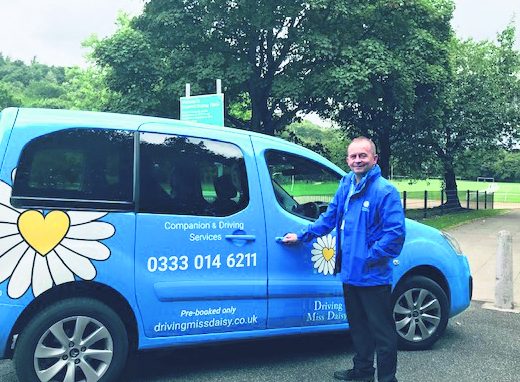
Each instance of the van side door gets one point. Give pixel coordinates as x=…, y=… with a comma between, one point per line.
x=296, y=187
x=201, y=262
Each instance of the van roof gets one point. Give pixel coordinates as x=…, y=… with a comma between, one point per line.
x=27, y=117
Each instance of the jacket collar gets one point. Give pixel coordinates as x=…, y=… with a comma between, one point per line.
x=374, y=173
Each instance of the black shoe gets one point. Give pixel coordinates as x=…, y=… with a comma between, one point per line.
x=353, y=375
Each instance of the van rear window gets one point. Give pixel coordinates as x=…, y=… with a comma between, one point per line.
x=76, y=167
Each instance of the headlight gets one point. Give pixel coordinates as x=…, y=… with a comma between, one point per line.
x=453, y=242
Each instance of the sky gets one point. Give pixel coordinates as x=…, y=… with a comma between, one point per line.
x=53, y=30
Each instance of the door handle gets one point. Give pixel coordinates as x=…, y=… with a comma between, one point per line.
x=241, y=237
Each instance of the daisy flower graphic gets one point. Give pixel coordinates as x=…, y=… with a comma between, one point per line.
x=324, y=254
x=42, y=250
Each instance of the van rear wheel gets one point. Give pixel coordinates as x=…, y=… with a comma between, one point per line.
x=77, y=339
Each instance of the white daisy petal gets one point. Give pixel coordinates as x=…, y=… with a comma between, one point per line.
x=91, y=231
x=80, y=265
x=318, y=262
x=41, y=277
x=320, y=268
x=325, y=240
x=60, y=273
x=327, y=270
x=317, y=246
x=8, y=229
x=6, y=243
x=330, y=241
x=332, y=264
x=5, y=202
x=21, y=279
x=5, y=193
x=92, y=249
x=321, y=242
x=8, y=214
x=10, y=259
x=82, y=217
x=317, y=251
x=316, y=257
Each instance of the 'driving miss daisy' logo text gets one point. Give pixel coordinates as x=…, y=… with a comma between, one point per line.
x=42, y=250
x=324, y=254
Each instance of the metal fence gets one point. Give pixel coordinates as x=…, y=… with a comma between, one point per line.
x=430, y=202
x=437, y=201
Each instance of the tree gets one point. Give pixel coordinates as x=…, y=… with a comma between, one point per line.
x=480, y=104
x=85, y=89
x=39, y=85
x=260, y=48
x=7, y=99
x=493, y=161
x=387, y=71
x=328, y=142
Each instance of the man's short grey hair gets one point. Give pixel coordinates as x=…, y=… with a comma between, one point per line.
x=365, y=139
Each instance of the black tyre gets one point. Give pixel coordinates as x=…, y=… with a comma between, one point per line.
x=77, y=339
x=420, y=309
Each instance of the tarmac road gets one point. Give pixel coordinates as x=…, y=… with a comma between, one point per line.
x=479, y=345
x=479, y=242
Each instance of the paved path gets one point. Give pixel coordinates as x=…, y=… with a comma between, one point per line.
x=479, y=242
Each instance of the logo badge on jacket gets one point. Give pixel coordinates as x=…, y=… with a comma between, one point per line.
x=366, y=203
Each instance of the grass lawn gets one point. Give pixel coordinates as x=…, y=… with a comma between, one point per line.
x=300, y=188
x=504, y=192
x=435, y=218
x=453, y=219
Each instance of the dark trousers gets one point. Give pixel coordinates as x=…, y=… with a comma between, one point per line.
x=372, y=329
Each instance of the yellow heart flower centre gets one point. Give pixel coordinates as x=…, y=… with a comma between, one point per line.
x=43, y=233
x=328, y=253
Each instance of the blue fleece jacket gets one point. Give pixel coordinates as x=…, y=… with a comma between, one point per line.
x=369, y=222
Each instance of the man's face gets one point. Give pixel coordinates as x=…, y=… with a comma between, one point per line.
x=361, y=158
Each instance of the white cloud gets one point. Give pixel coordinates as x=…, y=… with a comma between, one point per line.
x=53, y=30
x=484, y=19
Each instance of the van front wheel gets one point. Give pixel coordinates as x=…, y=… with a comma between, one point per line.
x=77, y=339
x=420, y=309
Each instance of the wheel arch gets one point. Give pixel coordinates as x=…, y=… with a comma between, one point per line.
x=430, y=272
x=88, y=289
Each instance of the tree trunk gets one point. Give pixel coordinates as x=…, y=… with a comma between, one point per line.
x=384, y=152
x=261, y=119
x=452, y=198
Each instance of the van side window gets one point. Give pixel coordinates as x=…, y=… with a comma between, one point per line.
x=191, y=176
x=301, y=186
x=89, y=168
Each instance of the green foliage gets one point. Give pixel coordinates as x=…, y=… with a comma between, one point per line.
x=38, y=85
x=480, y=106
x=261, y=49
x=85, y=89
x=241, y=109
x=7, y=98
x=389, y=65
x=329, y=142
x=491, y=161
x=454, y=219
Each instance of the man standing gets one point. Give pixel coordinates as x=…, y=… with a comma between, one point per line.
x=367, y=214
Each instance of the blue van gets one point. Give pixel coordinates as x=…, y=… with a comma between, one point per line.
x=122, y=232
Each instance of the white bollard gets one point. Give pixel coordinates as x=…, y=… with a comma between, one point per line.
x=504, y=276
